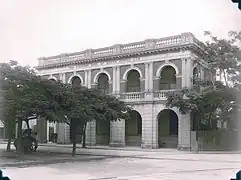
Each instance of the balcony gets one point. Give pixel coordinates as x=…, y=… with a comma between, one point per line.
x=147, y=96
x=132, y=96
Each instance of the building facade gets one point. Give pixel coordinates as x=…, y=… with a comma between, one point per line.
x=140, y=74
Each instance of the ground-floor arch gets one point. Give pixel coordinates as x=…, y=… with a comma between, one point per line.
x=133, y=129
x=102, y=132
x=167, y=129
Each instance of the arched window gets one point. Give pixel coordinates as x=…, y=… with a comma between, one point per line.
x=167, y=78
x=195, y=76
x=133, y=81
x=76, y=82
x=103, y=83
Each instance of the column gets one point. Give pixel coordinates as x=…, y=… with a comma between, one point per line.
x=91, y=133
x=117, y=133
x=89, y=79
x=146, y=77
x=117, y=128
x=63, y=129
x=86, y=78
x=184, y=74
x=149, y=128
x=118, y=79
x=188, y=72
x=114, y=81
x=184, y=133
x=151, y=76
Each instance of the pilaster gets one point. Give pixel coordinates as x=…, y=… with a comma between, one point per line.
x=184, y=73
x=86, y=78
x=149, y=128
x=184, y=133
x=146, y=77
x=188, y=72
x=117, y=133
x=89, y=79
x=118, y=79
x=150, y=76
x=114, y=81
x=91, y=133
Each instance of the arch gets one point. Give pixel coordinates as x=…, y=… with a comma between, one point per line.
x=103, y=83
x=167, y=128
x=167, y=78
x=133, y=129
x=159, y=70
x=75, y=75
x=132, y=68
x=99, y=73
x=53, y=78
x=133, y=83
x=195, y=75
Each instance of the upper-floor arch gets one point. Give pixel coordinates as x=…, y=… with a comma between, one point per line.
x=125, y=75
x=167, y=74
x=159, y=70
x=53, y=78
x=75, y=77
x=103, y=72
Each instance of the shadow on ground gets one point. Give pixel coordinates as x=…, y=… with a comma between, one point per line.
x=12, y=159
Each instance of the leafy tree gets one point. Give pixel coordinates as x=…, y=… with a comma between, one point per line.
x=211, y=99
x=26, y=97
x=82, y=105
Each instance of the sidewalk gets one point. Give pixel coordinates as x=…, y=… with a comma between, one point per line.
x=135, y=152
x=159, y=154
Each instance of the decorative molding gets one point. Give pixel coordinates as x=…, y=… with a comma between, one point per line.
x=83, y=67
x=132, y=68
x=75, y=75
x=158, y=72
x=179, y=42
x=102, y=71
x=52, y=78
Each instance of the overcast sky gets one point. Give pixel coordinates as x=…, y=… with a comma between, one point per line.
x=34, y=28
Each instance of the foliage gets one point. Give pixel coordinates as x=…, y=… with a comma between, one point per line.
x=26, y=96
x=82, y=105
x=209, y=99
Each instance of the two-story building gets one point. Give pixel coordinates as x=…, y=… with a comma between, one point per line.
x=140, y=74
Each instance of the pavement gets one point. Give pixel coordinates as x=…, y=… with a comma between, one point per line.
x=125, y=164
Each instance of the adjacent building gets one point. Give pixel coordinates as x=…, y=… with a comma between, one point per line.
x=140, y=74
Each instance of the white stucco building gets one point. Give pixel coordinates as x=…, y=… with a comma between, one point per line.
x=140, y=74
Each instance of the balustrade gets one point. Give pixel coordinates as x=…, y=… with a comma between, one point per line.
x=140, y=96
x=181, y=39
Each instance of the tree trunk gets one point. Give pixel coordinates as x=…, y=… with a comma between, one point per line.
x=19, y=144
x=84, y=137
x=74, y=141
x=10, y=129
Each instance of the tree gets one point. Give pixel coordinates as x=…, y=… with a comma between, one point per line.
x=213, y=100
x=25, y=97
x=82, y=105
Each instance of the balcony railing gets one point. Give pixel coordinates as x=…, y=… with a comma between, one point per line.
x=132, y=96
x=142, y=96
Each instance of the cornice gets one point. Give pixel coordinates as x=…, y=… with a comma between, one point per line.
x=184, y=41
x=116, y=57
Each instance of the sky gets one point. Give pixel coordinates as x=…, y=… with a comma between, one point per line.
x=30, y=29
